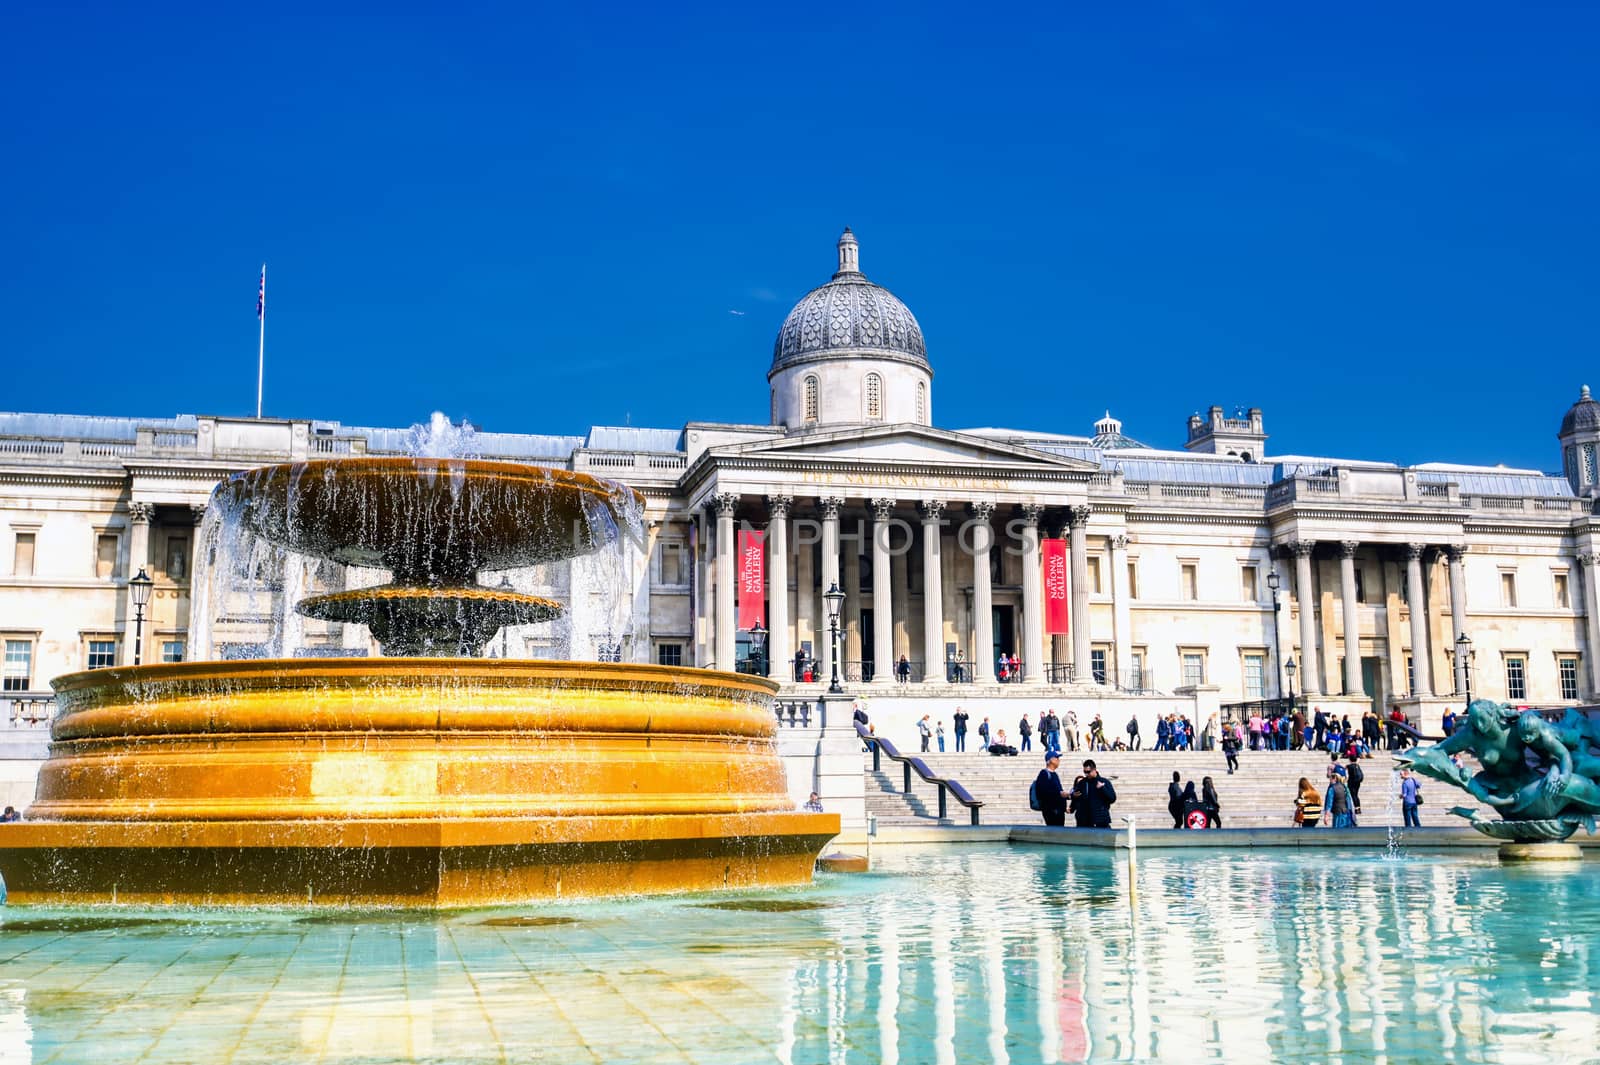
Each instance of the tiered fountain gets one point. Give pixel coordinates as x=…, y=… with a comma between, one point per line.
x=429, y=778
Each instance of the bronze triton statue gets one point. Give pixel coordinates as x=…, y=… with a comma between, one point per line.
x=1543, y=777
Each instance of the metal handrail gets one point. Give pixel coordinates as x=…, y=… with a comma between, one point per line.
x=946, y=785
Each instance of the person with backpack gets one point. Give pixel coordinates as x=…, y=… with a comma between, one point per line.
x=1336, y=803
x=983, y=733
x=1230, y=749
x=1048, y=796
x=1133, y=734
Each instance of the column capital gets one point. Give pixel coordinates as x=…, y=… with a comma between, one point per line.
x=829, y=506
x=1414, y=552
x=1078, y=517
x=931, y=510
x=1589, y=558
x=1032, y=512
x=882, y=511
x=197, y=512
x=141, y=513
x=1120, y=542
x=1348, y=548
x=725, y=503
x=778, y=507
x=1455, y=552
x=1300, y=548
x=981, y=511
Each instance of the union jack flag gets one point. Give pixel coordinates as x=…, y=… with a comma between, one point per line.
x=261, y=295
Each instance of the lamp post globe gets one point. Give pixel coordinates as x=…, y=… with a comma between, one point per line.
x=834, y=599
x=758, y=645
x=1289, y=667
x=139, y=586
x=1464, y=664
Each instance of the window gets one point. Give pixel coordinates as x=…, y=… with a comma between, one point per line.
x=1508, y=588
x=177, y=557
x=1361, y=587
x=669, y=654
x=105, y=555
x=1136, y=671
x=1094, y=575
x=102, y=653
x=872, y=394
x=1194, y=667
x=1516, y=677
x=1133, y=578
x=1567, y=671
x=1255, y=675
x=17, y=673
x=671, y=562
x=922, y=403
x=22, y=556
x=810, y=410
x=172, y=651
x=1249, y=588
x=1563, y=596
x=1411, y=675
x=1097, y=664
x=1190, y=581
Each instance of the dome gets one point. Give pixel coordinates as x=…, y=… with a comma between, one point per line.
x=849, y=315
x=1108, y=435
x=1582, y=417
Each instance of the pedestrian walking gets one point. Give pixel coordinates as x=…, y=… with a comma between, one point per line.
x=1353, y=778
x=1133, y=734
x=1230, y=751
x=925, y=731
x=1026, y=729
x=1307, y=805
x=1209, y=801
x=938, y=731
x=983, y=733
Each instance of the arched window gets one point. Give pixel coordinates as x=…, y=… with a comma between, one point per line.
x=810, y=398
x=872, y=393
x=922, y=403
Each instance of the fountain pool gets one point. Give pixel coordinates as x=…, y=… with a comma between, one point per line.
x=985, y=953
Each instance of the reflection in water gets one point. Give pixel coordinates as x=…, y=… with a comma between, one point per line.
x=942, y=955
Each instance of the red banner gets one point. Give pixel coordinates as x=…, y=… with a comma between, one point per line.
x=752, y=578
x=1055, y=587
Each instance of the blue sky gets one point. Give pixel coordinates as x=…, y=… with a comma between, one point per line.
x=1377, y=223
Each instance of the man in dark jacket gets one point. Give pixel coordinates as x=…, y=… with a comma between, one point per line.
x=1095, y=794
x=1051, y=795
x=1027, y=733
x=1319, y=723
x=961, y=729
x=1175, y=801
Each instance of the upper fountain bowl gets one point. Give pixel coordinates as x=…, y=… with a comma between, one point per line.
x=432, y=521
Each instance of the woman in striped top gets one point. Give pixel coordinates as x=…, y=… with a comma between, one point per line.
x=1307, y=806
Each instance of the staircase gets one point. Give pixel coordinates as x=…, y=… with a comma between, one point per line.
x=1260, y=795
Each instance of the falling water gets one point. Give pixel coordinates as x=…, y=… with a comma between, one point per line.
x=1392, y=848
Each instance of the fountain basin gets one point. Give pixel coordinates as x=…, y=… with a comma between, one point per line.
x=427, y=782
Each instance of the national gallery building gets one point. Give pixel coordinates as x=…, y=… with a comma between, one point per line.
x=1210, y=572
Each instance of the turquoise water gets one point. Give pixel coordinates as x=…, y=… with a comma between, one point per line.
x=969, y=954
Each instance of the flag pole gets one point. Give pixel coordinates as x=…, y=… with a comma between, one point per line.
x=261, y=347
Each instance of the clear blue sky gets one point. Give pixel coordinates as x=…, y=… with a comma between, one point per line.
x=1377, y=223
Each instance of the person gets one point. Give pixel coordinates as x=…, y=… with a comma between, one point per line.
x=813, y=805
x=1070, y=730
x=1027, y=733
x=1191, y=806
x=1449, y=722
x=10, y=814
x=800, y=666
x=1210, y=802
x=1051, y=795
x=1336, y=803
x=1175, y=801
x=1255, y=731
x=1410, y=797
x=1319, y=725
x=1096, y=794
x=983, y=733
x=857, y=714
x=1097, y=735
x=925, y=731
x=1230, y=751
x=1307, y=805
x=1003, y=668
x=1297, y=730
x=1016, y=667
x=1354, y=775
x=1370, y=728
x=1000, y=746
x=902, y=670
x=961, y=729
x=939, y=732
x=1079, y=810
x=1133, y=734
x=1050, y=731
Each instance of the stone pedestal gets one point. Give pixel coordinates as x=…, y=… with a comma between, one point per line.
x=1540, y=852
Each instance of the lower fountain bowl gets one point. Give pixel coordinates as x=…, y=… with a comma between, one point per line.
x=415, y=782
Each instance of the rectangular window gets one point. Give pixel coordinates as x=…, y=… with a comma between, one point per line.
x=1255, y=676
x=672, y=571
x=177, y=557
x=1136, y=671
x=1249, y=589
x=1133, y=579
x=1097, y=664
x=1516, y=677
x=17, y=673
x=172, y=650
x=1190, y=581
x=669, y=654
x=1567, y=670
x=1194, y=668
x=1361, y=587
x=105, y=555
x=1411, y=675
x=102, y=653
x=1094, y=575
x=1563, y=596
x=22, y=556
x=1508, y=588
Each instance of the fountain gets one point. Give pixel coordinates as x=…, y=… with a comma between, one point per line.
x=430, y=777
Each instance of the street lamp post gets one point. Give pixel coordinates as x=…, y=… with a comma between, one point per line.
x=835, y=599
x=1464, y=665
x=1273, y=581
x=758, y=644
x=139, y=584
x=1289, y=668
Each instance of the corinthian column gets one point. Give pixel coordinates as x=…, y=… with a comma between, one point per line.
x=1456, y=553
x=1352, y=620
x=933, y=670
x=724, y=625
x=1078, y=550
x=780, y=652
x=1305, y=595
x=1591, y=608
x=882, y=601
x=983, y=654
x=1032, y=598
x=141, y=515
x=1421, y=665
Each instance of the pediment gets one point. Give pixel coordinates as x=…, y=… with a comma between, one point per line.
x=907, y=444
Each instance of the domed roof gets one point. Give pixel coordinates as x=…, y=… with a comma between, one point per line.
x=1108, y=435
x=849, y=315
x=1583, y=416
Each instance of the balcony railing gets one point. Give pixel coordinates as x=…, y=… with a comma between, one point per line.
x=27, y=710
